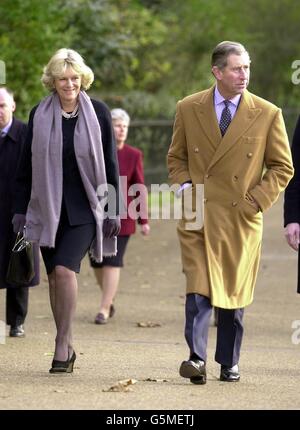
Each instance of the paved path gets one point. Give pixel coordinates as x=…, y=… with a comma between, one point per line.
x=152, y=289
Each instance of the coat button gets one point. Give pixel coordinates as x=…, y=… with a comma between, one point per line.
x=249, y=155
x=196, y=149
x=234, y=204
x=235, y=178
x=204, y=201
x=207, y=176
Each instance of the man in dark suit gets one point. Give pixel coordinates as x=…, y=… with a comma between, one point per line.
x=292, y=201
x=12, y=137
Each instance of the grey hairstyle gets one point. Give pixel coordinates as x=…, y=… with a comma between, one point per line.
x=223, y=50
x=120, y=114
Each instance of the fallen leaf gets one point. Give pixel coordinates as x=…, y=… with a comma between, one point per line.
x=155, y=380
x=121, y=386
x=49, y=354
x=148, y=324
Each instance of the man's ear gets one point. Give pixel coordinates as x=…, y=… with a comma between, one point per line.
x=13, y=106
x=217, y=73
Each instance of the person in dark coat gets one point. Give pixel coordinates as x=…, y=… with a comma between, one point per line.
x=292, y=201
x=12, y=137
x=69, y=159
x=132, y=175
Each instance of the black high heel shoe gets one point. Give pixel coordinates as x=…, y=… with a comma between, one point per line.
x=63, y=366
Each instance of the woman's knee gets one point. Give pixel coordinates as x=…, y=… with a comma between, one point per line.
x=62, y=273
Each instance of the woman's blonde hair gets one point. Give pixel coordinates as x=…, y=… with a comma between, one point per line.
x=61, y=60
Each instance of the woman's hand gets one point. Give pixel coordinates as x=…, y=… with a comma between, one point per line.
x=111, y=227
x=292, y=235
x=145, y=229
x=18, y=221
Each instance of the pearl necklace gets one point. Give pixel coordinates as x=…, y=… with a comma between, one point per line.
x=70, y=115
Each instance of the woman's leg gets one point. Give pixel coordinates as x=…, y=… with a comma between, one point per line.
x=108, y=278
x=63, y=297
x=51, y=280
x=98, y=273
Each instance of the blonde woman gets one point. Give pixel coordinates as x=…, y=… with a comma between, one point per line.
x=69, y=153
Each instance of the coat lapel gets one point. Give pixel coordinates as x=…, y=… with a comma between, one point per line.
x=205, y=112
x=245, y=115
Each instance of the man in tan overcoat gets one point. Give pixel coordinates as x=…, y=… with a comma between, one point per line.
x=234, y=143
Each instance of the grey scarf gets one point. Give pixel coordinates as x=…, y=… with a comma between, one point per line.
x=43, y=213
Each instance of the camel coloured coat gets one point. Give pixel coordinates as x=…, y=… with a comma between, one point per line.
x=252, y=160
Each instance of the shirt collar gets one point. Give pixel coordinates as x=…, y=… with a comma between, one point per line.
x=5, y=130
x=219, y=98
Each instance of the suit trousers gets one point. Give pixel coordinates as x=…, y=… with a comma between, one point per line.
x=198, y=311
x=16, y=305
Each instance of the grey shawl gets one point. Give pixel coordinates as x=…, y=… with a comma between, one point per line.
x=43, y=213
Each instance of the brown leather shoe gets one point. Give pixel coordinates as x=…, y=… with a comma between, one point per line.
x=195, y=370
x=230, y=374
x=101, y=319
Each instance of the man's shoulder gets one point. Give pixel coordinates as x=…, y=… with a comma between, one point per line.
x=100, y=107
x=17, y=131
x=18, y=124
x=18, y=128
x=260, y=102
x=198, y=97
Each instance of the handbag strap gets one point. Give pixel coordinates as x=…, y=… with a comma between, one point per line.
x=20, y=242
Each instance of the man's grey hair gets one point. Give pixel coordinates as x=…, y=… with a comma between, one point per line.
x=8, y=90
x=223, y=50
x=120, y=114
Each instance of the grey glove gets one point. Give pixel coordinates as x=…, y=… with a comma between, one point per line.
x=111, y=227
x=18, y=221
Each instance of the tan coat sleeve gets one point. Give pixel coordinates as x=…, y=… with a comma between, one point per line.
x=177, y=158
x=278, y=165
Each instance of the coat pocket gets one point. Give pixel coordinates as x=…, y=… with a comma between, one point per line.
x=247, y=207
x=252, y=140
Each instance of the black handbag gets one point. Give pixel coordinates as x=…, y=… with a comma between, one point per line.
x=21, y=263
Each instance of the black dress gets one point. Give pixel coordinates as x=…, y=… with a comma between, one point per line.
x=77, y=225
